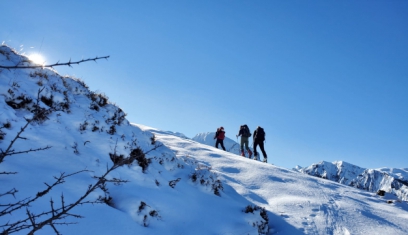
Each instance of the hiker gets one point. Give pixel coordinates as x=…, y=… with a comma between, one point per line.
x=259, y=137
x=245, y=133
x=220, y=135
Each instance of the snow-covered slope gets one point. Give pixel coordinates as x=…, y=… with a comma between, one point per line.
x=165, y=193
x=296, y=203
x=178, y=186
x=391, y=180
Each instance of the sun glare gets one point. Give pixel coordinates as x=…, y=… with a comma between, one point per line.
x=36, y=58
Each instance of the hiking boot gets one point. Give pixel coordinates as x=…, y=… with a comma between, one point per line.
x=265, y=159
x=255, y=156
x=243, y=153
x=250, y=153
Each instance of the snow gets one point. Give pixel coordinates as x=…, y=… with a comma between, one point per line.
x=390, y=180
x=164, y=198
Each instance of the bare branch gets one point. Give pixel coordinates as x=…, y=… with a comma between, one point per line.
x=7, y=173
x=3, y=154
x=56, y=215
x=11, y=152
x=10, y=192
x=69, y=63
x=26, y=202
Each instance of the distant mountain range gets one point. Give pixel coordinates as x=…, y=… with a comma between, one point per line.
x=390, y=180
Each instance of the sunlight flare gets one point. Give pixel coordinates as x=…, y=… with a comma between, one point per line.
x=37, y=58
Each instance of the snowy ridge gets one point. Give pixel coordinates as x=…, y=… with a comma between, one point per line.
x=394, y=181
x=180, y=186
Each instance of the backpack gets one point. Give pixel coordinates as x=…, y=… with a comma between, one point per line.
x=246, y=132
x=220, y=134
x=260, y=134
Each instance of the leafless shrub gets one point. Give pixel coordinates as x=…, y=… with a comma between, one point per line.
x=141, y=206
x=217, y=187
x=94, y=106
x=6, y=125
x=82, y=83
x=205, y=177
x=112, y=130
x=39, y=74
x=99, y=99
x=75, y=148
x=48, y=100
x=138, y=155
x=95, y=128
x=173, y=183
x=153, y=139
x=82, y=126
x=263, y=227
x=19, y=102
x=118, y=159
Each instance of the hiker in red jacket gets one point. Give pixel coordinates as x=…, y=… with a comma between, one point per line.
x=220, y=135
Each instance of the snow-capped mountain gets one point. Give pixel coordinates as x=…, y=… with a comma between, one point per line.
x=390, y=180
x=71, y=163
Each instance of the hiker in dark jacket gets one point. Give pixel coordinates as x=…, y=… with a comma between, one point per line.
x=220, y=135
x=245, y=133
x=259, y=137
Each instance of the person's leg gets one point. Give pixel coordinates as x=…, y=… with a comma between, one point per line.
x=242, y=144
x=261, y=146
x=255, y=145
x=222, y=144
x=216, y=143
x=247, y=148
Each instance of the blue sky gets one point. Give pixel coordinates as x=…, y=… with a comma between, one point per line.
x=328, y=80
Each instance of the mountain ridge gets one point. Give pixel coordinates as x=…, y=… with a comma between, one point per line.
x=371, y=180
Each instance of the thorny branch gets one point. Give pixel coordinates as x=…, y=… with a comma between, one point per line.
x=10, y=192
x=25, y=202
x=53, y=65
x=63, y=212
x=55, y=215
x=7, y=173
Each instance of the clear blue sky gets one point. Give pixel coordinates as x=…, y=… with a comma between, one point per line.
x=328, y=80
